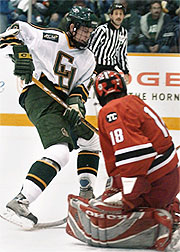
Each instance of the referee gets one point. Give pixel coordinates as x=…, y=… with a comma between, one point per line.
x=109, y=43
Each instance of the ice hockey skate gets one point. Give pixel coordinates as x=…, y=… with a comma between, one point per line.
x=17, y=212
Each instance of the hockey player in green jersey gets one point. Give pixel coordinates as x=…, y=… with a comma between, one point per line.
x=62, y=62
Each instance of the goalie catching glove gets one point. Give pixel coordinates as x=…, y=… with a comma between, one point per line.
x=75, y=111
x=24, y=66
x=103, y=225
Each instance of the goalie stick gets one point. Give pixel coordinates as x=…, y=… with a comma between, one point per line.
x=50, y=224
x=40, y=225
x=56, y=98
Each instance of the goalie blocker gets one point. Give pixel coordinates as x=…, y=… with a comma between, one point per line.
x=100, y=224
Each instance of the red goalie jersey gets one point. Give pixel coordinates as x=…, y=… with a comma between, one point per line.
x=142, y=165
x=134, y=140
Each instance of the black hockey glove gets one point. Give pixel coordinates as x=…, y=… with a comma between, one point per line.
x=24, y=66
x=75, y=111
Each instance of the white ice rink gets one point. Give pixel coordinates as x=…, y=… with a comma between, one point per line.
x=19, y=148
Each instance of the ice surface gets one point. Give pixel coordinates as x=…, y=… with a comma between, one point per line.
x=19, y=148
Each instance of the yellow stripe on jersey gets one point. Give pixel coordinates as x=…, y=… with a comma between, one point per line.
x=80, y=91
x=10, y=37
x=69, y=45
x=80, y=95
x=6, y=44
x=83, y=89
x=46, y=28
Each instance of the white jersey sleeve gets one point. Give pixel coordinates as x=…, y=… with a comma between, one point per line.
x=53, y=56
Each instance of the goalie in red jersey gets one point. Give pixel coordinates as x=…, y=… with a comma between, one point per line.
x=138, y=208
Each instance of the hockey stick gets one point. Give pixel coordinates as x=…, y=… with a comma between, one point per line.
x=56, y=98
x=7, y=216
x=50, y=224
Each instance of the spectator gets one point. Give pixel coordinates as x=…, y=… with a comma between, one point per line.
x=58, y=11
x=172, y=30
x=20, y=10
x=40, y=12
x=153, y=26
x=141, y=6
x=132, y=25
x=63, y=23
x=174, y=8
x=4, y=10
x=100, y=8
x=176, y=21
x=170, y=7
x=109, y=43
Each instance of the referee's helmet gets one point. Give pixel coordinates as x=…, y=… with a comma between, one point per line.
x=115, y=6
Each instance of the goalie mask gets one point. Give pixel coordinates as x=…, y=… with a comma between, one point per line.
x=108, y=83
x=84, y=22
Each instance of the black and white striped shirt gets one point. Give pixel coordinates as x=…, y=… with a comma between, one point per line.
x=109, y=46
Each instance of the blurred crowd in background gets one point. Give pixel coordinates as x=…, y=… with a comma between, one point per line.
x=52, y=13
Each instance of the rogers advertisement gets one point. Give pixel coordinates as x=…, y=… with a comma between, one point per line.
x=154, y=78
